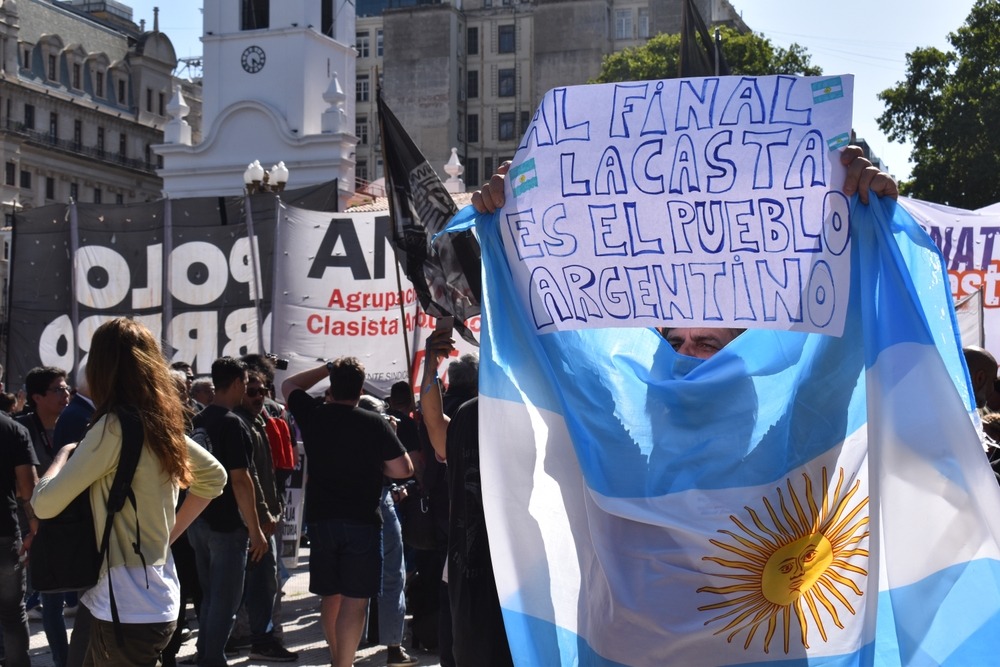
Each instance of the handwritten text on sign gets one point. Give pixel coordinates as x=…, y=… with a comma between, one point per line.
x=688, y=202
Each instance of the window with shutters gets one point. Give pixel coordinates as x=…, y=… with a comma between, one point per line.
x=472, y=128
x=506, y=83
x=362, y=44
x=623, y=24
x=472, y=84
x=472, y=170
x=505, y=39
x=472, y=41
x=505, y=126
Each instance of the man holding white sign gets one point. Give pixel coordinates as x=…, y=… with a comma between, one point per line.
x=692, y=202
x=861, y=178
x=640, y=515
x=700, y=343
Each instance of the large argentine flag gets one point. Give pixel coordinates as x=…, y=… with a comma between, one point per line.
x=797, y=499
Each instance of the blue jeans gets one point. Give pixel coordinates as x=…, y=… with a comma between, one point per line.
x=12, y=615
x=260, y=589
x=391, y=601
x=221, y=559
x=55, y=626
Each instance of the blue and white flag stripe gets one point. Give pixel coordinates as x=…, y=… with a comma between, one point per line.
x=795, y=500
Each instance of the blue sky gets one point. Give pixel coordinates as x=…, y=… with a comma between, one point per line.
x=867, y=38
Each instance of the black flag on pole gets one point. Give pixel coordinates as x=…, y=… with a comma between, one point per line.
x=447, y=274
x=698, y=49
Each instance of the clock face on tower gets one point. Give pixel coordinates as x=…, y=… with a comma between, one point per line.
x=253, y=59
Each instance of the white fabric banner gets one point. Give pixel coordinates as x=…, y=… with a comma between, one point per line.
x=336, y=295
x=968, y=240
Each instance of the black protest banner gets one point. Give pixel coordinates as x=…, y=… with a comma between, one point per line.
x=189, y=269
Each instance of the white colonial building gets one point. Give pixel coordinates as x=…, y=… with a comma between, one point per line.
x=275, y=72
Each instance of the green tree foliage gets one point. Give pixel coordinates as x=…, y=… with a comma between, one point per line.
x=949, y=108
x=746, y=53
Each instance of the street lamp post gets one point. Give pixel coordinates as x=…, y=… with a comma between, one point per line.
x=257, y=180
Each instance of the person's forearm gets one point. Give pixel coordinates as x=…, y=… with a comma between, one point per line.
x=27, y=479
x=304, y=380
x=245, y=499
x=263, y=513
x=59, y=460
x=189, y=510
x=432, y=412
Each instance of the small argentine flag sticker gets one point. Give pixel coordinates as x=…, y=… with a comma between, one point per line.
x=827, y=89
x=839, y=141
x=523, y=177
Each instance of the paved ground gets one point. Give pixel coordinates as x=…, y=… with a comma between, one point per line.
x=302, y=633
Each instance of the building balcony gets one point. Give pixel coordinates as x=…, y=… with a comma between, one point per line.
x=78, y=149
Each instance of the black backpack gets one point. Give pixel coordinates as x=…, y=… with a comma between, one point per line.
x=65, y=554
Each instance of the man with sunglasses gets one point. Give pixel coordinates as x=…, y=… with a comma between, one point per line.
x=48, y=395
x=260, y=587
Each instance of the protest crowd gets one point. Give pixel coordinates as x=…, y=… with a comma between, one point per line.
x=204, y=520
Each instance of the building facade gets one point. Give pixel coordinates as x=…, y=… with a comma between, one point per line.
x=273, y=91
x=83, y=93
x=469, y=73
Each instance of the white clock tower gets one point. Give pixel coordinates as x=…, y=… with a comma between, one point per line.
x=275, y=72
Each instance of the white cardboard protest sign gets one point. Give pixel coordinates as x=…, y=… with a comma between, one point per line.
x=685, y=202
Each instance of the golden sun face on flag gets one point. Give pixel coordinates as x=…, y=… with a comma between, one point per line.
x=796, y=560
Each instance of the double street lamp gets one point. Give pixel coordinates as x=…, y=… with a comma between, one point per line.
x=257, y=180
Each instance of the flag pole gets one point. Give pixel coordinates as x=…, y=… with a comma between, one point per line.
x=395, y=251
x=982, y=323
x=684, y=25
x=402, y=314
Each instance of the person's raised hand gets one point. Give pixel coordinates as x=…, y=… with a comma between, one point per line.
x=491, y=196
x=439, y=345
x=864, y=177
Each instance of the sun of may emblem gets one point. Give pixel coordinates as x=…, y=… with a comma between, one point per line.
x=794, y=560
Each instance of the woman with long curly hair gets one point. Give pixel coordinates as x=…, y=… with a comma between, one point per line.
x=126, y=371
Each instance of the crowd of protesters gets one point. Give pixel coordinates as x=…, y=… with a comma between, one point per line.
x=206, y=523
x=223, y=453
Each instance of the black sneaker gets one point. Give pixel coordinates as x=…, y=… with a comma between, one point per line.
x=397, y=657
x=235, y=644
x=273, y=652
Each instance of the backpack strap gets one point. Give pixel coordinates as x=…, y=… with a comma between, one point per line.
x=121, y=489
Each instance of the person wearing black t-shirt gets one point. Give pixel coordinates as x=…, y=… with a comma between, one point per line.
x=17, y=481
x=228, y=528
x=348, y=450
